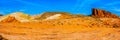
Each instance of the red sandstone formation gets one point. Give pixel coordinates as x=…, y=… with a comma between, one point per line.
x=102, y=13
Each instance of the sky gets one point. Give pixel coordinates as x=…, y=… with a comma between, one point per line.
x=34, y=7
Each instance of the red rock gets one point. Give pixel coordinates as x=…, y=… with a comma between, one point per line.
x=102, y=13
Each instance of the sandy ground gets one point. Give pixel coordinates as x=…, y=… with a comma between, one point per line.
x=77, y=30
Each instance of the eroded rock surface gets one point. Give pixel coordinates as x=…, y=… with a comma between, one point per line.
x=9, y=19
x=102, y=13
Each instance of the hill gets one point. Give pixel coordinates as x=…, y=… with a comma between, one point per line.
x=17, y=16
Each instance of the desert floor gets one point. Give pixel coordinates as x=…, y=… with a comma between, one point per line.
x=36, y=31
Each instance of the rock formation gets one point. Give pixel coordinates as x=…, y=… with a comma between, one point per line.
x=9, y=19
x=102, y=13
x=15, y=17
x=106, y=17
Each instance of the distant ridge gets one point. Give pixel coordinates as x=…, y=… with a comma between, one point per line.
x=21, y=17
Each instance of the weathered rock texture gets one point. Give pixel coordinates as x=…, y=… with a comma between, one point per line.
x=9, y=19
x=102, y=13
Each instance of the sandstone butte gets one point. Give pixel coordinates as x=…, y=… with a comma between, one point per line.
x=103, y=13
x=101, y=25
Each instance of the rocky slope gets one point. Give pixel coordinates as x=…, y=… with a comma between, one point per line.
x=107, y=17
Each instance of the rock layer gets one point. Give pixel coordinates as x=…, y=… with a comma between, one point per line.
x=102, y=13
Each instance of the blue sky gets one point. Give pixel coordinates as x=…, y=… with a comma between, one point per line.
x=33, y=7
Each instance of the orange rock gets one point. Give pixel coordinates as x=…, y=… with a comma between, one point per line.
x=102, y=13
x=10, y=19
